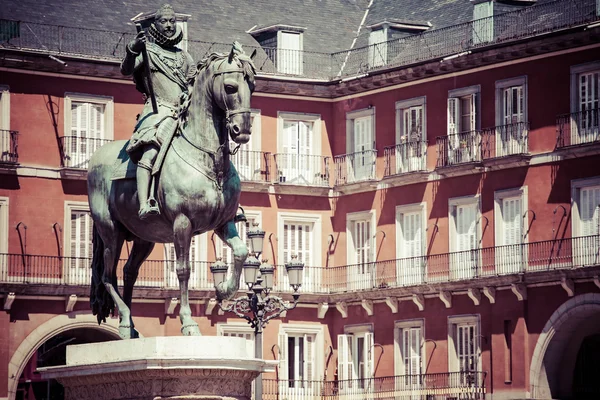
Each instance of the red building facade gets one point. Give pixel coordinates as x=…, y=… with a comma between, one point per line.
x=446, y=211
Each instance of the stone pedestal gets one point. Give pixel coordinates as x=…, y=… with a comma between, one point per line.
x=160, y=368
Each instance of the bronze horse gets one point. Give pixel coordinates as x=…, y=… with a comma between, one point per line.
x=197, y=189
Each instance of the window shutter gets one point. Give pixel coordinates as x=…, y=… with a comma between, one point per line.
x=453, y=116
x=309, y=357
x=345, y=362
x=473, y=100
x=589, y=199
x=369, y=355
x=466, y=227
x=511, y=215
x=411, y=234
x=283, y=367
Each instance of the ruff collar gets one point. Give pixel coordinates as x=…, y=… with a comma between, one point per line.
x=164, y=41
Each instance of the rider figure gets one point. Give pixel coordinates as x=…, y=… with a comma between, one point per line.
x=171, y=69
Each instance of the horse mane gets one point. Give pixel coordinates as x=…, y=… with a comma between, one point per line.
x=245, y=63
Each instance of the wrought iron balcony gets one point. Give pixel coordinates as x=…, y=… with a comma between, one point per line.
x=405, y=157
x=302, y=169
x=77, y=151
x=505, y=140
x=355, y=167
x=435, y=386
x=253, y=166
x=524, y=23
x=577, y=128
x=8, y=147
x=460, y=148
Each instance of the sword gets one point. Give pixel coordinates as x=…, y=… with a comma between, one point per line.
x=148, y=77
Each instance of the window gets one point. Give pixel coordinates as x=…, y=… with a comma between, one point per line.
x=585, y=195
x=465, y=234
x=248, y=159
x=223, y=251
x=3, y=239
x=289, y=52
x=242, y=330
x=360, y=231
x=511, y=226
x=483, y=22
x=198, y=267
x=585, y=87
x=464, y=140
x=299, y=235
x=411, y=222
x=182, y=24
x=300, y=364
x=360, y=148
x=77, y=243
x=355, y=359
x=464, y=350
x=6, y=139
x=88, y=125
x=299, y=147
x=409, y=352
x=411, y=135
x=378, y=47
x=511, y=116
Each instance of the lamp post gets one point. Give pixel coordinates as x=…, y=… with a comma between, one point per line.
x=259, y=306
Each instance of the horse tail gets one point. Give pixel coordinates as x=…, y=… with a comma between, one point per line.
x=100, y=300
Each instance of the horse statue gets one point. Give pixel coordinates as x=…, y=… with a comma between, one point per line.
x=197, y=189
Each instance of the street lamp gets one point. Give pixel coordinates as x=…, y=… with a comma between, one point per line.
x=259, y=306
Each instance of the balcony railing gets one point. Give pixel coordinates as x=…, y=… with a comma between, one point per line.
x=302, y=169
x=77, y=150
x=505, y=140
x=355, y=167
x=8, y=147
x=546, y=255
x=438, y=386
x=460, y=148
x=577, y=128
x=405, y=157
x=435, y=44
x=253, y=166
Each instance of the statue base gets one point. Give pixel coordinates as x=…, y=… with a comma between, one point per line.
x=160, y=368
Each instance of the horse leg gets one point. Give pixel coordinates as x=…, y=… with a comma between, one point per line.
x=229, y=234
x=182, y=228
x=113, y=241
x=140, y=251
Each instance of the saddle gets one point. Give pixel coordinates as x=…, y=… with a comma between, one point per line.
x=123, y=168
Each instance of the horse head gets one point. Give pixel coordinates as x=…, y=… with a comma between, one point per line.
x=232, y=87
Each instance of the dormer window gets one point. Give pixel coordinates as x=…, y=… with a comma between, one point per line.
x=283, y=45
x=384, y=31
x=483, y=22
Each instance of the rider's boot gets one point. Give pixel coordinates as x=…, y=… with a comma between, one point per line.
x=147, y=206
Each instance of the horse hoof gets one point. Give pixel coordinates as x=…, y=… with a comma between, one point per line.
x=190, y=330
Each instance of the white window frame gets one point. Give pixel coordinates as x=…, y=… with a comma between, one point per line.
x=290, y=67
x=318, y=367
x=467, y=91
x=69, y=207
x=4, y=204
x=200, y=280
x=237, y=328
x=316, y=121
x=408, y=103
x=181, y=21
x=378, y=49
x=576, y=186
x=507, y=83
x=356, y=331
x=453, y=365
x=248, y=161
x=403, y=263
x=459, y=261
x=312, y=280
x=499, y=196
x=399, y=327
x=5, y=107
x=355, y=279
x=350, y=117
x=585, y=251
x=576, y=71
x=482, y=27
x=403, y=161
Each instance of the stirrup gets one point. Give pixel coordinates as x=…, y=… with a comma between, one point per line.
x=150, y=208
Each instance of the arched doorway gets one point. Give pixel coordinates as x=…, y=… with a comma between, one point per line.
x=566, y=347
x=51, y=353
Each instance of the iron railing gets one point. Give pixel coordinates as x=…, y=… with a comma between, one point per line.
x=78, y=150
x=8, y=147
x=405, y=157
x=355, y=167
x=435, y=44
x=253, y=166
x=302, y=169
x=436, y=386
x=505, y=140
x=459, y=148
x=577, y=128
x=548, y=255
